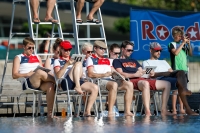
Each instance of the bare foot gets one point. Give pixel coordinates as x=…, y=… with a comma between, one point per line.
x=111, y=114
x=187, y=92
x=190, y=112
x=147, y=113
x=174, y=112
x=182, y=112
x=165, y=112
x=78, y=89
x=128, y=114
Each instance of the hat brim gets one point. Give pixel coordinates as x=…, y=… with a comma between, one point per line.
x=157, y=48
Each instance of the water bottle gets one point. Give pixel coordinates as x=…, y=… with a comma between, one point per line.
x=42, y=111
x=63, y=114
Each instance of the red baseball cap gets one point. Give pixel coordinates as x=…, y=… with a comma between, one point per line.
x=66, y=45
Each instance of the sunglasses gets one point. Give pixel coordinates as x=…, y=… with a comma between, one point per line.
x=129, y=50
x=116, y=53
x=31, y=48
x=67, y=50
x=102, y=48
x=88, y=52
x=158, y=50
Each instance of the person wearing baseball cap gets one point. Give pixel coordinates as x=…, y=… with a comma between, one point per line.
x=177, y=78
x=72, y=72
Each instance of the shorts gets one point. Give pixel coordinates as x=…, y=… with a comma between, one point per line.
x=29, y=85
x=172, y=80
x=152, y=83
x=71, y=84
x=103, y=83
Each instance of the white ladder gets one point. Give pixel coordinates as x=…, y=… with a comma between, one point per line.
x=31, y=32
x=76, y=26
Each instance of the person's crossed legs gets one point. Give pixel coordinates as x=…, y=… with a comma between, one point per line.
x=45, y=82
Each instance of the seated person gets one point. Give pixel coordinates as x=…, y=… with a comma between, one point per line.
x=72, y=72
x=86, y=49
x=23, y=66
x=50, y=61
x=90, y=16
x=100, y=67
x=131, y=69
x=50, y=6
x=164, y=72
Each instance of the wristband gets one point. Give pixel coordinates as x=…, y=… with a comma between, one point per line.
x=45, y=51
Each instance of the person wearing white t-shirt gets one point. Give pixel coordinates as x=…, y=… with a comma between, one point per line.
x=24, y=66
x=164, y=72
x=64, y=67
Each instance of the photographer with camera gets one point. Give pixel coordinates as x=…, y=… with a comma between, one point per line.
x=179, y=49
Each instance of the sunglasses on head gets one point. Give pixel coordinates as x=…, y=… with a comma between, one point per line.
x=67, y=50
x=129, y=50
x=31, y=48
x=88, y=52
x=102, y=48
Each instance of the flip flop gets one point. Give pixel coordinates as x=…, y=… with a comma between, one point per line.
x=94, y=20
x=80, y=21
x=36, y=20
x=52, y=20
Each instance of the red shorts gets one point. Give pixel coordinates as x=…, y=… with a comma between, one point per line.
x=152, y=83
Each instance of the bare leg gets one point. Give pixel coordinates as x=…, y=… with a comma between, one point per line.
x=50, y=7
x=165, y=86
x=95, y=7
x=48, y=87
x=40, y=76
x=79, y=7
x=93, y=90
x=128, y=86
x=144, y=87
x=75, y=75
x=112, y=88
x=174, y=98
x=182, y=111
x=34, y=5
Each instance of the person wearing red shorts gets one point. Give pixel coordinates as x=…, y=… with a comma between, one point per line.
x=131, y=69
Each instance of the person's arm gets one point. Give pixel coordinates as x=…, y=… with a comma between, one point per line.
x=47, y=63
x=177, y=51
x=61, y=71
x=190, y=48
x=40, y=61
x=15, y=69
x=139, y=73
x=91, y=73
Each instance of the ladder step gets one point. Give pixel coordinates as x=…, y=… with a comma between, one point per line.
x=91, y=39
x=45, y=23
x=68, y=34
x=88, y=24
x=44, y=38
x=17, y=33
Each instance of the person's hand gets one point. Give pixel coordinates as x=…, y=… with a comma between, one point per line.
x=140, y=72
x=107, y=74
x=186, y=39
x=152, y=73
x=30, y=73
x=70, y=62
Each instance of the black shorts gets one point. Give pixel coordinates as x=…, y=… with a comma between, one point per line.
x=71, y=84
x=29, y=85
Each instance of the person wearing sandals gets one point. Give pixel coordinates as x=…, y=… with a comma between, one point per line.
x=64, y=67
x=24, y=65
x=48, y=18
x=90, y=16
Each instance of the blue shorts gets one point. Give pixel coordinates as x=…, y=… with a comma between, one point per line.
x=71, y=84
x=29, y=85
x=172, y=80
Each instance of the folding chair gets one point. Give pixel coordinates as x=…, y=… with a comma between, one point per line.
x=34, y=93
x=69, y=93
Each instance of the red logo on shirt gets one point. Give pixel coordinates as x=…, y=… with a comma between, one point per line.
x=129, y=64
